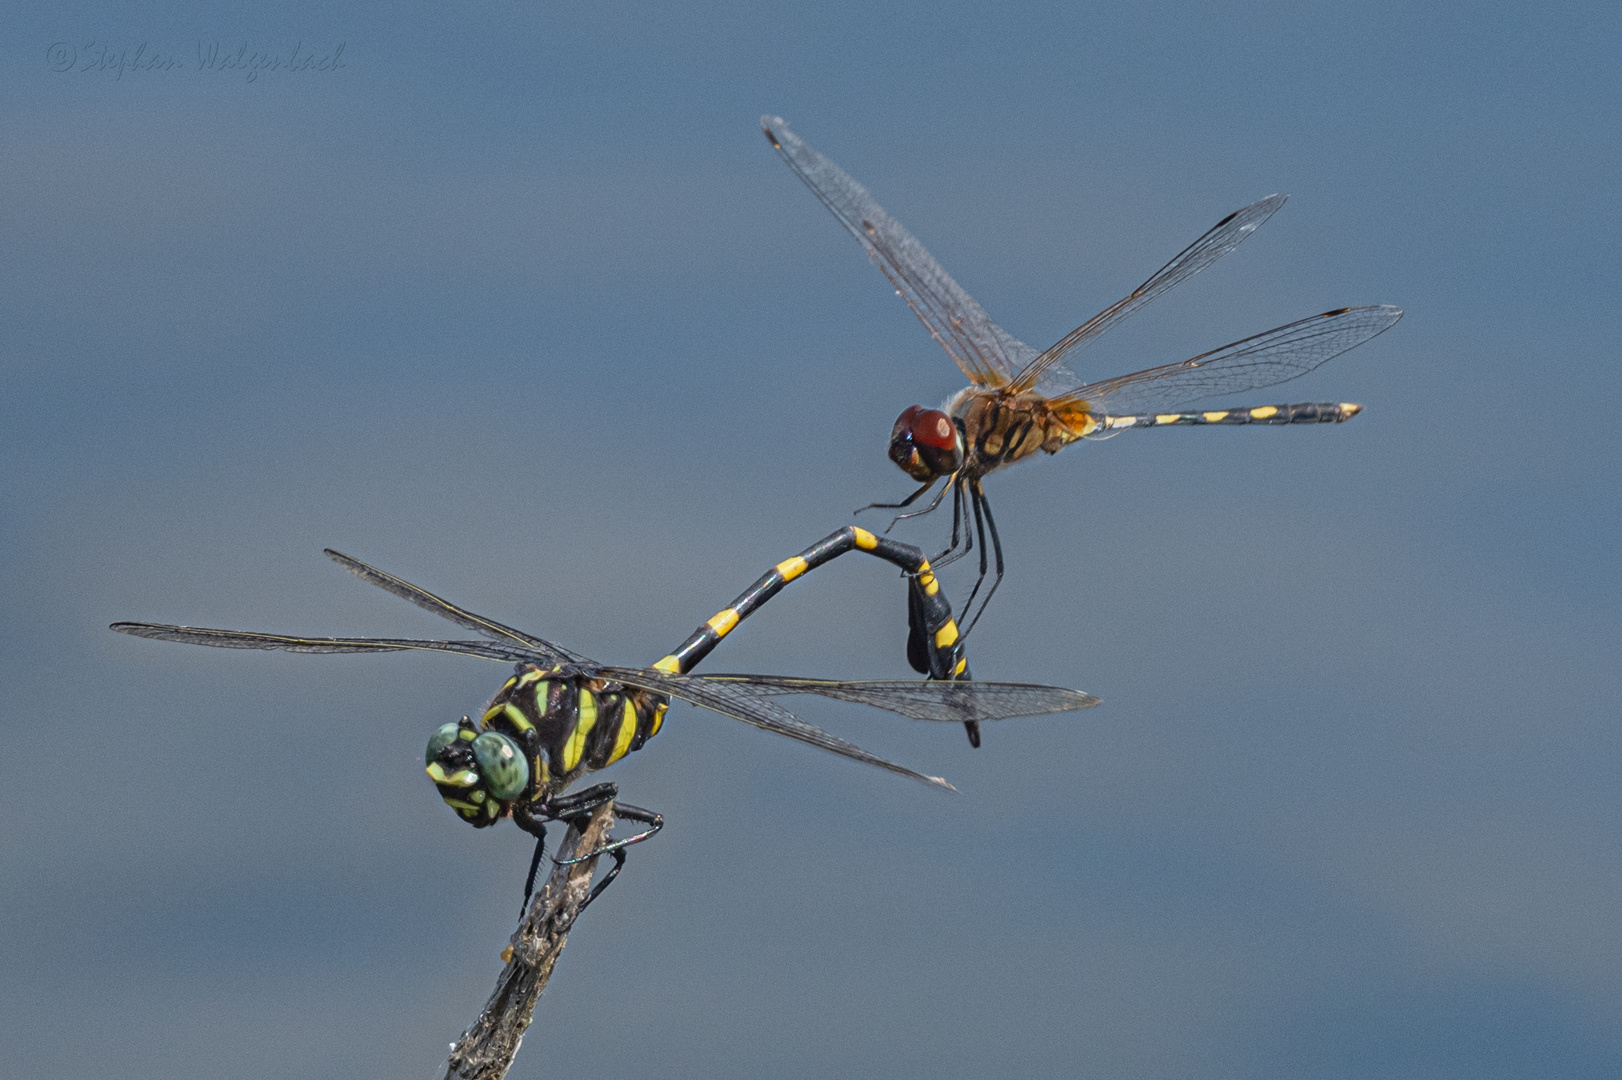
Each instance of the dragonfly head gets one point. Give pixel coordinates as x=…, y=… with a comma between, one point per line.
x=477, y=773
x=925, y=443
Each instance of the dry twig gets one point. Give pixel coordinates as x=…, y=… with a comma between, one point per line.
x=486, y=1050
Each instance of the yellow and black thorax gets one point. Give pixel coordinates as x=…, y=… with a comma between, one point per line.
x=543, y=730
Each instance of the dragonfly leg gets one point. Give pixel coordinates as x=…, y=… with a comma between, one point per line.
x=960, y=528
x=581, y=802
x=930, y=509
x=627, y=812
x=533, y=818
x=654, y=821
x=975, y=502
x=533, y=823
x=534, y=865
x=597, y=889
x=983, y=503
x=908, y=501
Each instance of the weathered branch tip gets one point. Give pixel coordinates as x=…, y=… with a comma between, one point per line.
x=487, y=1048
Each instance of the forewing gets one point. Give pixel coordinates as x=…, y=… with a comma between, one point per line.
x=987, y=353
x=946, y=701
x=753, y=709
x=1266, y=359
x=241, y=639
x=1222, y=238
x=546, y=650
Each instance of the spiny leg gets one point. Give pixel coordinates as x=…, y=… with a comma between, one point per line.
x=534, y=865
x=597, y=889
x=562, y=808
x=930, y=509
x=654, y=821
x=983, y=503
x=617, y=848
x=908, y=501
x=532, y=818
x=980, y=528
x=960, y=527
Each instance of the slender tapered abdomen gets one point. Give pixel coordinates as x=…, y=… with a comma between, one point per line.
x=1320, y=413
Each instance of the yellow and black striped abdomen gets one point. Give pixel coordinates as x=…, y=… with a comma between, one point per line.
x=1309, y=413
x=569, y=725
x=940, y=650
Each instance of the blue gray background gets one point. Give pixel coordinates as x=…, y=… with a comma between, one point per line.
x=520, y=305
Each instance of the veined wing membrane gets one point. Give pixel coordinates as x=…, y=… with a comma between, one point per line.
x=987, y=353
x=954, y=702
x=240, y=639
x=546, y=651
x=767, y=715
x=719, y=697
x=1222, y=238
x=1265, y=359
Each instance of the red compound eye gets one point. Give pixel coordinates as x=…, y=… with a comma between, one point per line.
x=903, y=423
x=931, y=427
x=924, y=443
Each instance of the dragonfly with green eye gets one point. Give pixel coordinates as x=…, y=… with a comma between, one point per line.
x=561, y=716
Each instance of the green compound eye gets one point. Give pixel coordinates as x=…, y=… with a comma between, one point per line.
x=438, y=741
x=505, y=772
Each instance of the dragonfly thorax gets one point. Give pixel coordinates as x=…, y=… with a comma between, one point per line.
x=926, y=443
x=544, y=729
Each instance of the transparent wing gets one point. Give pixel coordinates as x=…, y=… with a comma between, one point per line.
x=243, y=639
x=721, y=698
x=946, y=701
x=1266, y=359
x=767, y=715
x=1222, y=238
x=987, y=353
x=545, y=650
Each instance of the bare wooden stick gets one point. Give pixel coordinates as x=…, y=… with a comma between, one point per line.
x=486, y=1050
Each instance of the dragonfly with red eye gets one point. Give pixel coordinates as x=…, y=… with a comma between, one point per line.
x=1020, y=401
